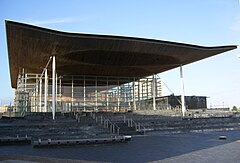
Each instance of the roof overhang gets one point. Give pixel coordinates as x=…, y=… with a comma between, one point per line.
x=30, y=47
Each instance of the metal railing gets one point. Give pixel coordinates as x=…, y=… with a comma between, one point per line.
x=107, y=123
x=138, y=126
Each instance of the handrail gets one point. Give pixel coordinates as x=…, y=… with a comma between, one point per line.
x=105, y=122
x=138, y=125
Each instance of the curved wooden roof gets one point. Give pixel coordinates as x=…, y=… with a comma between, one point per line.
x=30, y=47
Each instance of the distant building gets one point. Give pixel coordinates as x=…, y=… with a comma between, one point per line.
x=144, y=87
x=192, y=102
x=7, y=108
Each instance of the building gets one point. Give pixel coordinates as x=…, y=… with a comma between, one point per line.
x=174, y=102
x=60, y=71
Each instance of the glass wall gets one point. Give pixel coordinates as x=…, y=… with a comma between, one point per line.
x=86, y=93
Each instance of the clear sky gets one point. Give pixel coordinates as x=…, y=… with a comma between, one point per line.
x=206, y=23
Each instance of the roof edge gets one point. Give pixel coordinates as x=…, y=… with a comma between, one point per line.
x=72, y=34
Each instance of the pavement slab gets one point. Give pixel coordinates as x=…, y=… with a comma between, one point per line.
x=229, y=152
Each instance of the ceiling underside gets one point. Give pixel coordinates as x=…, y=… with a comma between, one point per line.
x=30, y=47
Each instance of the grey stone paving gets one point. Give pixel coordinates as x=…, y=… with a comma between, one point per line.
x=37, y=159
x=227, y=153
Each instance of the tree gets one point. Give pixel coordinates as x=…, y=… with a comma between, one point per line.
x=234, y=108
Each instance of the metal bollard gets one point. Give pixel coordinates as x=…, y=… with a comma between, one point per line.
x=104, y=124
x=118, y=130
x=113, y=129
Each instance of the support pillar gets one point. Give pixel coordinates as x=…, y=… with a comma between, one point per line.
x=25, y=89
x=134, y=100
x=40, y=95
x=72, y=96
x=53, y=87
x=139, y=105
x=107, y=95
x=36, y=95
x=96, y=95
x=60, y=92
x=125, y=94
x=84, y=93
x=118, y=96
x=147, y=85
x=182, y=92
x=22, y=76
x=128, y=95
x=25, y=83
x=154, y=92
x=56, y=90
x=45, y=90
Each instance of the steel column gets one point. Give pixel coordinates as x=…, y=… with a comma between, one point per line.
x=56, y=91
x=25, y=83
x=139, y=106
x=53, y=87
x=84, y=94
x=107, y=95
x=45, y=90
x=154, y=92
x=36, y=95
x=147, y=84
x=128, y=94
x=40, y=95
x=118, y=97
x=182, y=92
x=134, y=100
x=60, y=92
x=72, y=96
x=96, y=94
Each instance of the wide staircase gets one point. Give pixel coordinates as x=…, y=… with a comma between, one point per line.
x=41, y=126
x=138, y=123
x=118, y=123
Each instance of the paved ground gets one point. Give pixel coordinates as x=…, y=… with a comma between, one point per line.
x=229, y=153
x=221, y=154
x=36, y=159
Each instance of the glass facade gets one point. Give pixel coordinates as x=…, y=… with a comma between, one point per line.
x=86, y=93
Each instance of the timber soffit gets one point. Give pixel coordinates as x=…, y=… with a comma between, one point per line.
x=89, y=54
